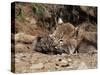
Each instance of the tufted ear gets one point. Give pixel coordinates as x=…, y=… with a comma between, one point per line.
x=76, y=28
x=60, y=21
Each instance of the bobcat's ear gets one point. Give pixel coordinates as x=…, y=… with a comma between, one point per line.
x=60, y=21
x=76, y=28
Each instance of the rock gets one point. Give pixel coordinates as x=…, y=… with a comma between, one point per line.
x=89, y=10
x=63, y=54
x=22, y=67
x=33, y=21
x=19, y=47
x=18, y=55
x=24, y=38
x=69, y=59
x=27, y=18
x=17, y=60
x=82, y=65
x=73, y=65
x=37, y=66
x=64, y=61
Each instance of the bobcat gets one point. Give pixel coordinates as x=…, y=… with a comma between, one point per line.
x=63, y=39
x=86, y=40
x=45, y=45
x=88, y=36
x=61, y=30
x=74, y=40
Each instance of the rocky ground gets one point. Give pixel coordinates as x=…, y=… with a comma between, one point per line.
x=29, y=60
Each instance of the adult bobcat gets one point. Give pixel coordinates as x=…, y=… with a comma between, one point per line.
x=70, y=39
x=63, y=39
x=45, y=44
x=52, y=43
x=66, y=39
x=85, y=39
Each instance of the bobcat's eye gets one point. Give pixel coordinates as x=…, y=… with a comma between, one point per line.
x=61, y=40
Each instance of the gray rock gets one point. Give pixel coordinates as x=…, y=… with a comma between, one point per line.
x=82, y=65
x=37, y=66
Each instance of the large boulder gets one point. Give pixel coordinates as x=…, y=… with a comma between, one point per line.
x=24, y=38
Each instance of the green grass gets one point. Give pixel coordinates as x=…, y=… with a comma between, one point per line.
x=38, y=9
x=20, y=16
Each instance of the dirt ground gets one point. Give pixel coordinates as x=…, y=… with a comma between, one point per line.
x=32, y=61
